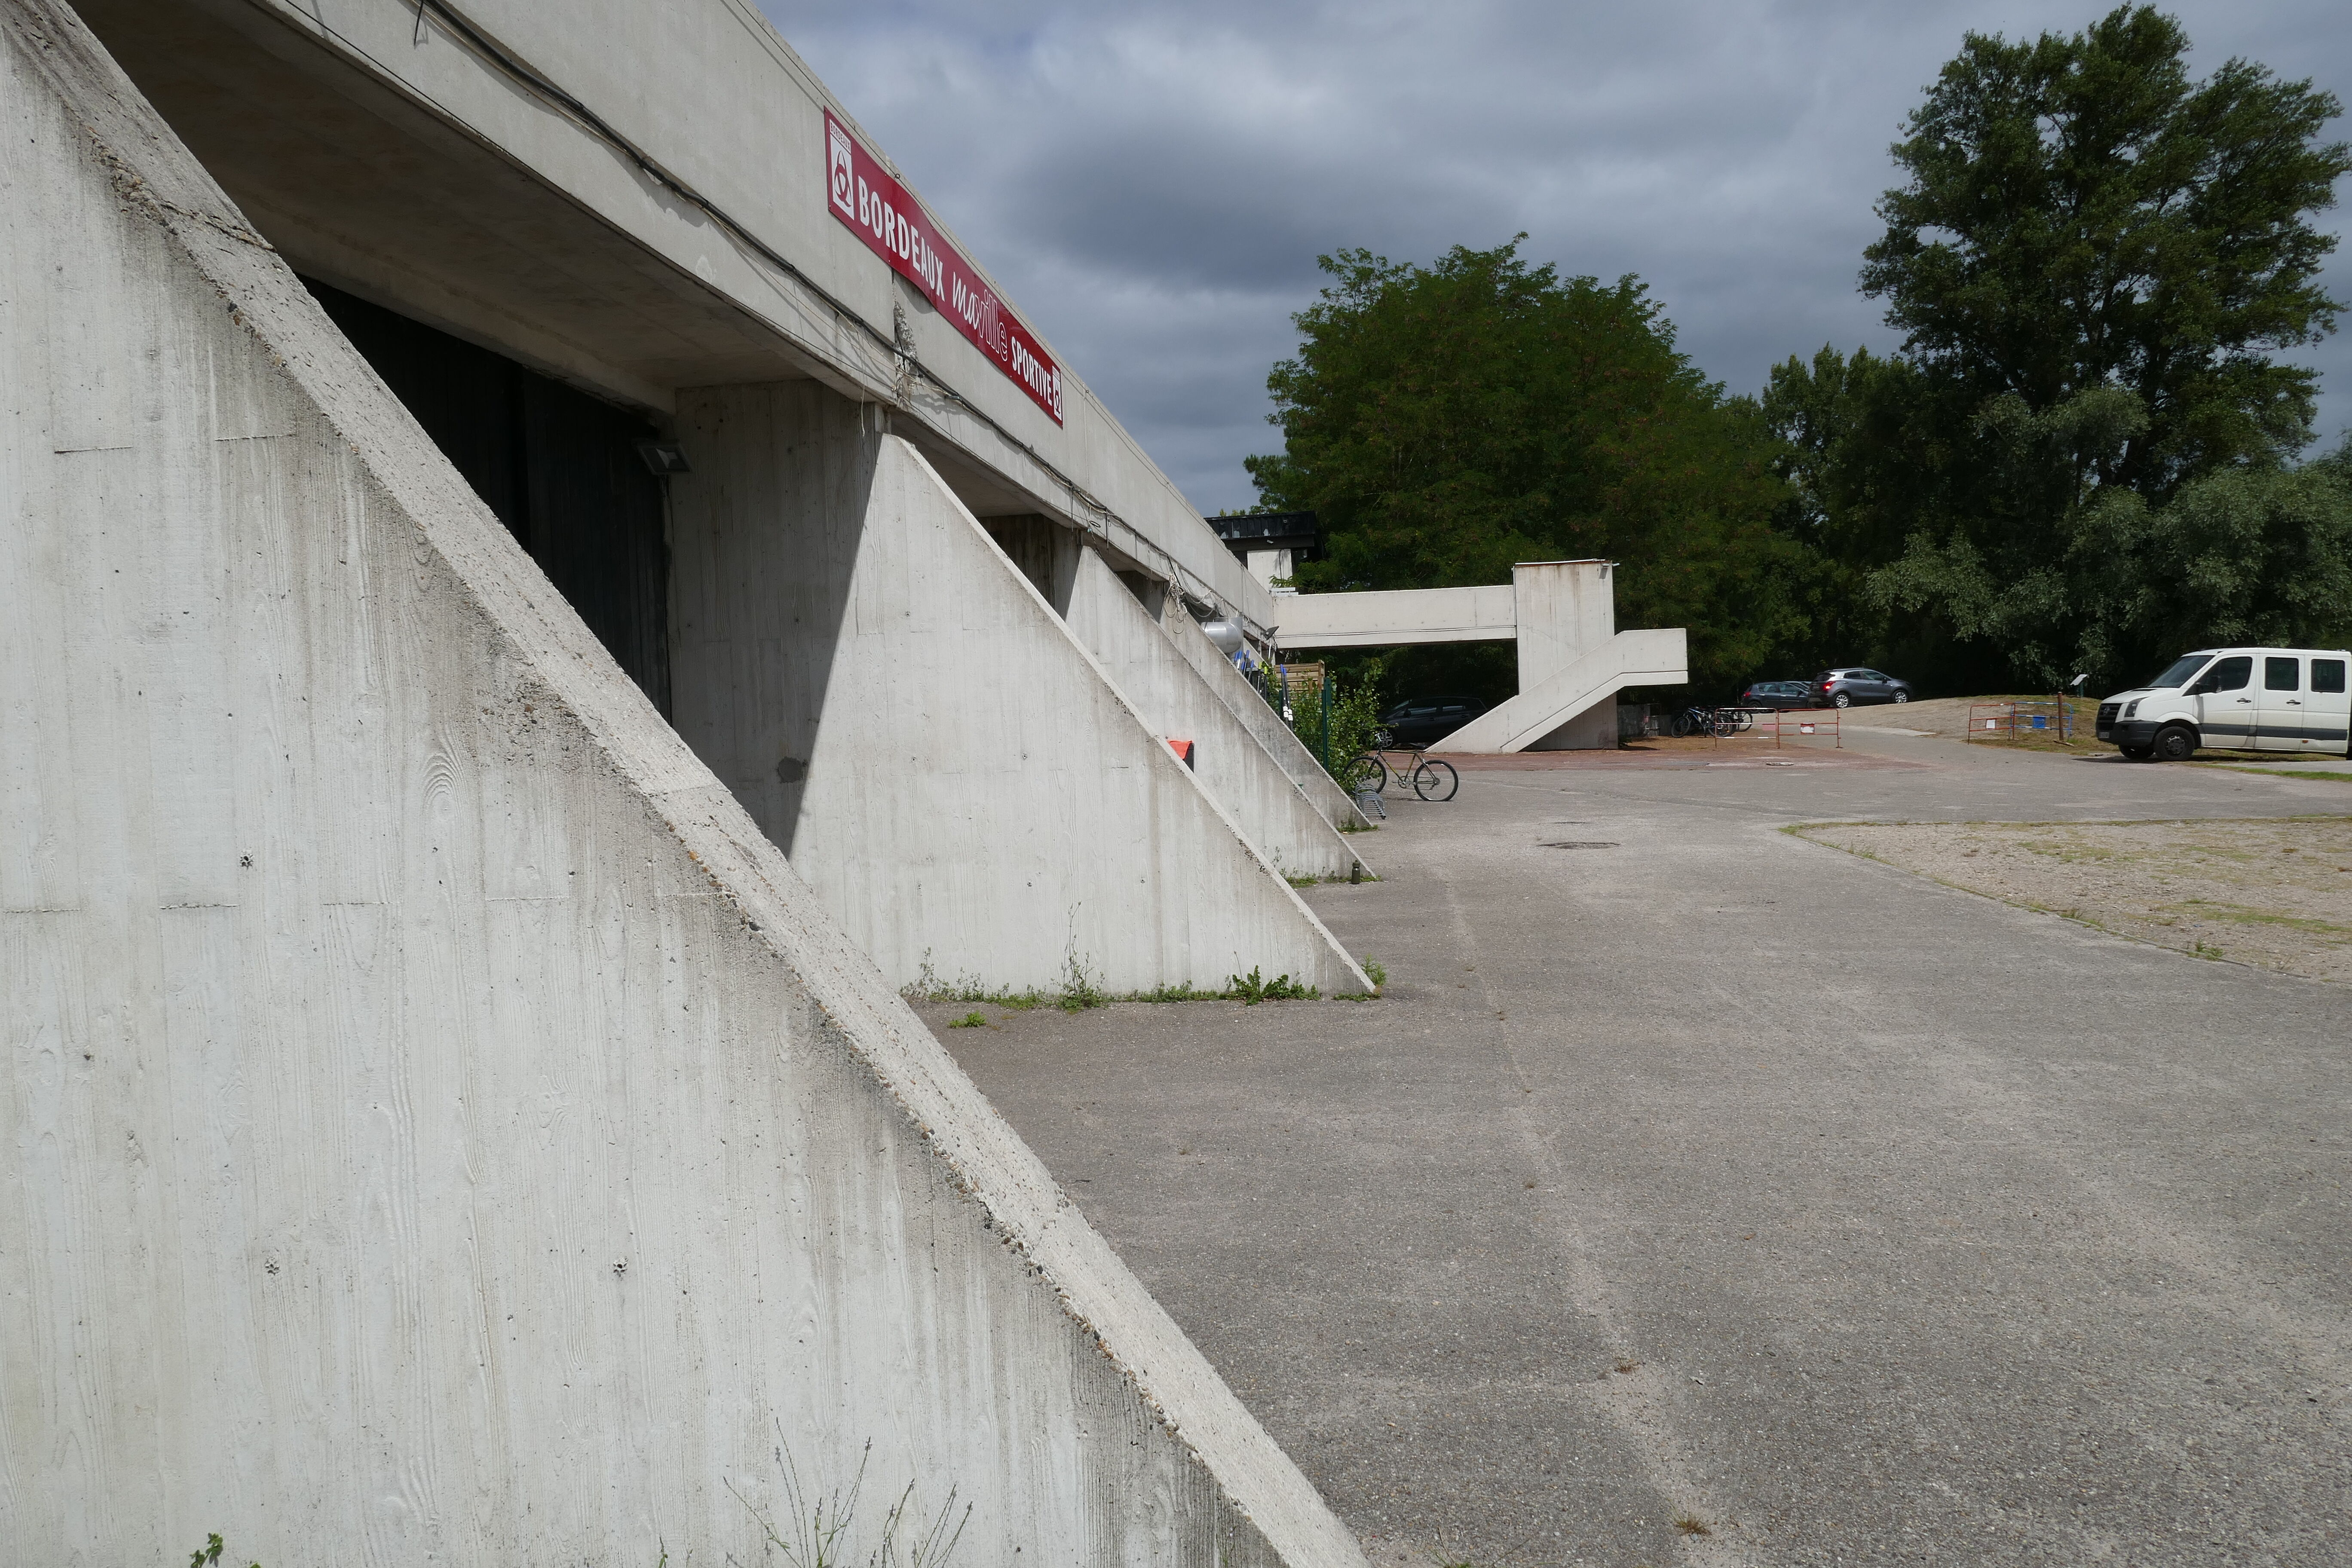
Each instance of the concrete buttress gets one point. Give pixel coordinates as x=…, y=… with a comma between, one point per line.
x=902, y=710
x=439, y=1125
x=1107, y=616
x=1242, y=699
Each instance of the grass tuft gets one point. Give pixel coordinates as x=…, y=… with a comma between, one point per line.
x=1255, y=987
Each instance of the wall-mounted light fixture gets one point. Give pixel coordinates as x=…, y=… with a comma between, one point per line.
x=665, y=457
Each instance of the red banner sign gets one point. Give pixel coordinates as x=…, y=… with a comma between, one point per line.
x=867, y=197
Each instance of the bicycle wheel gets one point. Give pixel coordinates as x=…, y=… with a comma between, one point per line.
x=1726, y=724
x=1366, y=773
x=1434, y=780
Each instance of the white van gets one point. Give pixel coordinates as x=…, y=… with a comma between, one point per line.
x=2241, y=699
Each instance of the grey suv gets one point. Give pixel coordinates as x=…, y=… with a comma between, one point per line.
x=1854, y=685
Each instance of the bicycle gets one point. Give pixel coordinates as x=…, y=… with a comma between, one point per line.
x=1720, y=722
x=1431, y=778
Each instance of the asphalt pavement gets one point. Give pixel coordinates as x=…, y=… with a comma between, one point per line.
x=1700, y=1194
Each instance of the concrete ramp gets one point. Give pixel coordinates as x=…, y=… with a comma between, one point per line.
x=1657, y=658
x=440, y=1127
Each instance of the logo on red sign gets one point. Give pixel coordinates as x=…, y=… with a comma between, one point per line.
x=871, y=200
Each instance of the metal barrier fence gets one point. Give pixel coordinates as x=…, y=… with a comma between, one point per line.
x=1795, y=726
x=2008, y=721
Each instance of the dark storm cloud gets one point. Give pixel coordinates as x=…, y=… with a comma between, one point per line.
x=1152, y=183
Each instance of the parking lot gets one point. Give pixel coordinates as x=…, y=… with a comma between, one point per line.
x=1698, y=1193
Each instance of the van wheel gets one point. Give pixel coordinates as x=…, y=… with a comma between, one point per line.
x=2175, y=744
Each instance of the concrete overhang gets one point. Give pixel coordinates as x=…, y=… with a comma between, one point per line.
x=1392, y=618
x=383, y=147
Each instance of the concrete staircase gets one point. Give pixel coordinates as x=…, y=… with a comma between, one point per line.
x=1653, y=657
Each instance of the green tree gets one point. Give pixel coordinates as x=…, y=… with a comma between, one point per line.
x=2081, y=215
x=2094, y=260
x=1447, y=421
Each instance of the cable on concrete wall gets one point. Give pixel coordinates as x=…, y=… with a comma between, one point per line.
x=532, y=79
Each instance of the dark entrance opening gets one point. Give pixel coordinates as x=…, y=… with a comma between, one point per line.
x=560, y=469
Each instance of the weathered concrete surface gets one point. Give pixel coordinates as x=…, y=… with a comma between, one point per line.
x=438, y=1127
x=898, y=707
x=1565, y=610
x=1242, y=699
x=1934, y=1230
x=1141, y=659
x=1385, y=618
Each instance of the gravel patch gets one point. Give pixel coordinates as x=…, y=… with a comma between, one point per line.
x=2275, y=894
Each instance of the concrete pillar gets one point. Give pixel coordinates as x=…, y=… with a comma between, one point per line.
x=1142, y=661
x=1565, y=610
x=904, y=712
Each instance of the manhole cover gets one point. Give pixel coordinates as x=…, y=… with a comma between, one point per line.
x=1573, y=843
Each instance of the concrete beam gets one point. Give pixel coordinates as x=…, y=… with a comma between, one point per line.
x=435, y=1124
x=1392, y=618
x=902, y=710
x=1106, y=615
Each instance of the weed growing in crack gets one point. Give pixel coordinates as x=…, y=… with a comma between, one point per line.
x=820, y=1528
x=1255, y=987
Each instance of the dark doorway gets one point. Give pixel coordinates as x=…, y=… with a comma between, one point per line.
x=560, y=468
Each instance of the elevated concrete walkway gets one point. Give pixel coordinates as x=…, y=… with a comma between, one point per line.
x=1562, y=614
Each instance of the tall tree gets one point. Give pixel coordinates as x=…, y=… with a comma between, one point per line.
x=2081, y=215
x=1446, y=421
x=2094, y=260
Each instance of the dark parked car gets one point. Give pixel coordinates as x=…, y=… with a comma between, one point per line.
x=1779, y=694
x=1422, y=721
x=1854, y=685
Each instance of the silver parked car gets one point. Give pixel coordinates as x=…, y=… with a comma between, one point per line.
x=1854, y=685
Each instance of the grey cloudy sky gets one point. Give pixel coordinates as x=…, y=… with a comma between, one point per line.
x=1151, y=183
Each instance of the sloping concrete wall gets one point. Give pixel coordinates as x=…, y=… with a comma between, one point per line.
x=1241, y=698
x=1142, y=661
x=438, y=1126
x=901, y=709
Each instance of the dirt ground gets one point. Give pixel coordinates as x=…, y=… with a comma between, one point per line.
x=2275, y=894
x=1949, y=717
